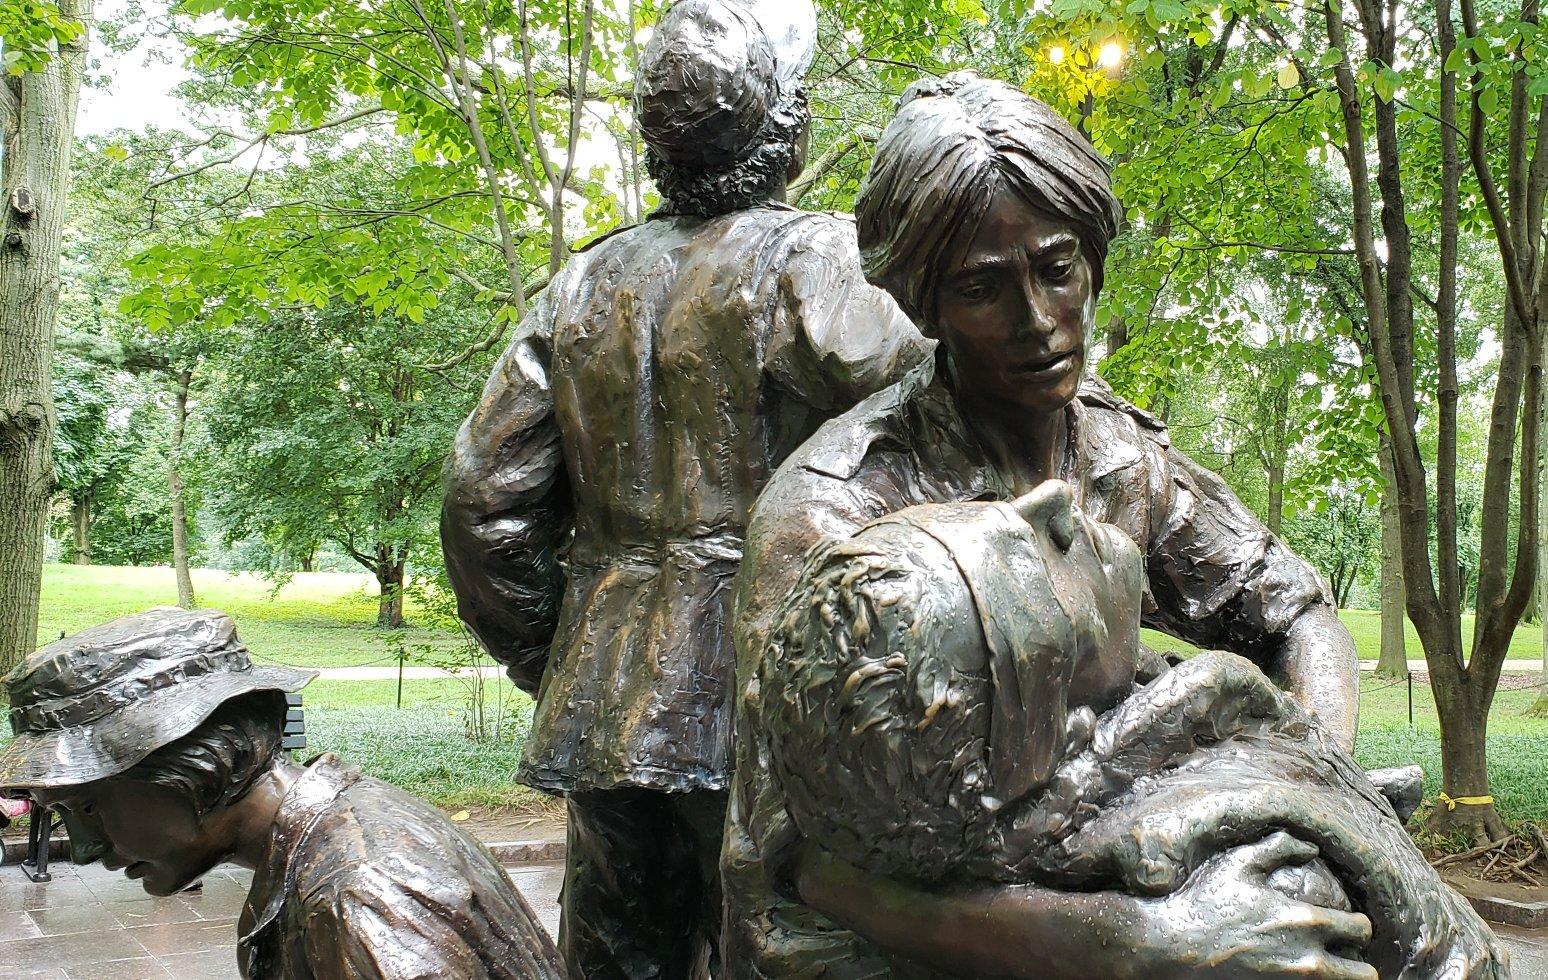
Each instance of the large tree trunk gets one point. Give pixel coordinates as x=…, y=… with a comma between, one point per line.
x=37, y=126
x=80, y=525
x=1466, y=804
x=389, y=577
x=185, y=589
x=1394, y=601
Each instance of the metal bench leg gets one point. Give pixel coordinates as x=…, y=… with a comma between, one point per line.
x=35, y=865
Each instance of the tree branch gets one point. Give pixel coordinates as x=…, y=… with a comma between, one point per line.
x=256, y=141
x=823, y=165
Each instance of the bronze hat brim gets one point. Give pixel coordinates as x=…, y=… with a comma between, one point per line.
x=117, y=742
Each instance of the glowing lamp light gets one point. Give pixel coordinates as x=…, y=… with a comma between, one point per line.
x=1110, y=55
x=1056, y=54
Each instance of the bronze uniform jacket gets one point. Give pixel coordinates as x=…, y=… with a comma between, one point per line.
x=362, y=880
x=649, y=393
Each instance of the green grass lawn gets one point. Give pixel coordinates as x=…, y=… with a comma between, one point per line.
x=328, y=620
x=1365, y=626
x=322, y=619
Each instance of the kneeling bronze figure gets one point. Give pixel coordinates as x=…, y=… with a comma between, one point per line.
x=158, y=739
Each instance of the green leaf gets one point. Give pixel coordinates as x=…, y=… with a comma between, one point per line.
x=1386, y=83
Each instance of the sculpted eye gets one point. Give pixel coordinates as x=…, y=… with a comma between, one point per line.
x=1059, y=271
x=977, y=290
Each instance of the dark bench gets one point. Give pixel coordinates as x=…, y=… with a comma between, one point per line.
x=39, y=830
x=295, y=725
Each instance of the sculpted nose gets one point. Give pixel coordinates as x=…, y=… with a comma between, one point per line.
x=1036, y=319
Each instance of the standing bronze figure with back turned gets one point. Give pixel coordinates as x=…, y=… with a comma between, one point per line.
x=598, y=496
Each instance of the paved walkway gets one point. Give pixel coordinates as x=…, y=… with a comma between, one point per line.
x=92, y=924
x=1511, y=666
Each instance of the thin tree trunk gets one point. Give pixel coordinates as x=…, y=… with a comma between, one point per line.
x=185, y=590
x=389, y=578
x=80, y=522
x=1276, y=497
x=1394, y=646
x=37, y=125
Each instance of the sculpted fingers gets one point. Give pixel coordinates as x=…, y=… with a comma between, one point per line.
x=1274, y=851
x=1345, y=929
x=1329, y=967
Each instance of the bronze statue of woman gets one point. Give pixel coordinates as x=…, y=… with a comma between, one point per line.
x=598, y=495
x=953, y=757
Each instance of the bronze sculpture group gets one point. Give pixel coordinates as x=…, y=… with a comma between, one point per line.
x=824, y=556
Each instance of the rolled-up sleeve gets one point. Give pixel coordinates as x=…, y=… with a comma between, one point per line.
x=836, y=338
x=507, y=512
x=1218, y=577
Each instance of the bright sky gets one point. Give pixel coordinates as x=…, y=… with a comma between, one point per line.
x=140, y=82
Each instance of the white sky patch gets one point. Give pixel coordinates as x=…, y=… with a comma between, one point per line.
x=140, y=82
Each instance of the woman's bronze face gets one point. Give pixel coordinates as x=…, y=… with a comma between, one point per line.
x=150, y=832
x=1013, y=308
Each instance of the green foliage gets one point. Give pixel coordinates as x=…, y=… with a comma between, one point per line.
x=332, y=429
x=422, y=750
x=30, y=31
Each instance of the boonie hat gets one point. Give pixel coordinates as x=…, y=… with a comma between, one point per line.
x=97, y=703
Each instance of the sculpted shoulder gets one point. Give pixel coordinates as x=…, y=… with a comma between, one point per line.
x=1096, y=393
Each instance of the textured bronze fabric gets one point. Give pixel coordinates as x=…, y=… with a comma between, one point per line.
x=1214, y=575
x=362, y=880
x=649, y=393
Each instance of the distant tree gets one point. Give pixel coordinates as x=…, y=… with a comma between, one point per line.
x=1341, y=536
x=331, y=425
x=89, y=449
x=133, y=525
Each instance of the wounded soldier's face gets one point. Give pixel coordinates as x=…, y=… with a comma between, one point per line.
x=1095, y=573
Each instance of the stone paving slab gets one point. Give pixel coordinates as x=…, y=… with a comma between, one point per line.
x=86, y=925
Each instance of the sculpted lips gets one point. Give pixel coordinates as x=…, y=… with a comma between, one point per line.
x=1052, y=364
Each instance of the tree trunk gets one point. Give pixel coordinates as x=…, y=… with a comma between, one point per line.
x=80, y=522
x=1464, y=767
x=1117, y=335
x=308, y=561
x=1394, y=646
x=1540, y=706
x=37, y=125
x=185, y=590
x=1276, y=497
x=389, y=607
